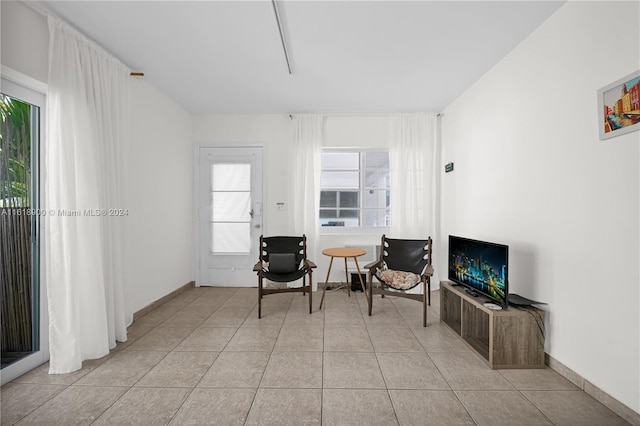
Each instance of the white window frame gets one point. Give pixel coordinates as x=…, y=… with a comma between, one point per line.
x=355, y=230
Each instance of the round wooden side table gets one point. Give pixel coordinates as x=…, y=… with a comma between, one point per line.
x=346, y=253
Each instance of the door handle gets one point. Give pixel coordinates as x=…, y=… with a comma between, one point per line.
x=251, y=213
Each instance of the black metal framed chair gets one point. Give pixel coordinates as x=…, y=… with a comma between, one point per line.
x=283, y=260
x=403, y=265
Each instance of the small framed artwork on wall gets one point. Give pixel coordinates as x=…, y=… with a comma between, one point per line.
x=619, y=107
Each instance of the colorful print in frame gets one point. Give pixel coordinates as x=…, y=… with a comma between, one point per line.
x=619, y=107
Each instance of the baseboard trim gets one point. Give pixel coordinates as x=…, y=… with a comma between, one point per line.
x=142, y=312
x=598, y=394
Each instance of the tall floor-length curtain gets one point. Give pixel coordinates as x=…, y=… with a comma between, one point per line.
x=306, y=162
x=87, y=107
x=412, y=163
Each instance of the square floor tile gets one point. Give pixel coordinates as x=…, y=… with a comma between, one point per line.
x=236, y=370
x=394, y=339
x=123, y=369
x=347, y=339
x=286, y=407
x=20, y=399
x=300, y=338
x=465, y=371
x=157, y=316
x=215, y=406
x=227, y=317
x=40, y=375
x=251, y=339
x=353, y=370
x=515, y=408
x=573, y=408
x=411, y=370
x=298, y=313
x=273, y=314
x=343, y=317
x=420, y=407
x=145, y=406
x=293, y=370
x=189, y=317
x=76, y=405
x=357, y=407
x=212, y=339
x=537, y=379
x=383, y=314
x=439, y=338
x=179, y=369
x=160, y=339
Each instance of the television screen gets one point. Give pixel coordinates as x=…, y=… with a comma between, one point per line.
x=481, y=266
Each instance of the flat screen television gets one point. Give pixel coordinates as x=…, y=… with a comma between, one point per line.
x=481, y=266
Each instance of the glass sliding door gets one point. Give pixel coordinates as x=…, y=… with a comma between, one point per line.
x=22, y=321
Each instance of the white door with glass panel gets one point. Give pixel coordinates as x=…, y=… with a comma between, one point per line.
x=229, y=215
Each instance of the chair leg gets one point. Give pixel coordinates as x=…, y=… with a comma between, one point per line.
x=425, y=296
x=370, y=294
x=424, y=314
x=310, y=293
x=259, y=297
x=429, y=287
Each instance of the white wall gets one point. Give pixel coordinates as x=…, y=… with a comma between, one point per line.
x=160, y=181
x=275, y=133
x=24, y=40
x=531, y=172
x=161, y=232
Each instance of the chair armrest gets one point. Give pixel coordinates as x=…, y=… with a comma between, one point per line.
x=373, y=264
x=257, y=267
x=429, y=271
x=309, y=264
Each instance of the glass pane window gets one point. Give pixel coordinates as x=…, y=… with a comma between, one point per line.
x=230, y=177
x=354, y=188
x=377, y=160
x=329, y=199
x=231, y=207
x=376, y=199
x=340, y=179
x=340, y=161
x=375, y=218
x=349, y=199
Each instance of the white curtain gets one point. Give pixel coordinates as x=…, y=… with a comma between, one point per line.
x=306, y=163
x=412, y=163
x=87, y=109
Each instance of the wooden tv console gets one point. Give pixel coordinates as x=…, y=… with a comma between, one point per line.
x=507, y=338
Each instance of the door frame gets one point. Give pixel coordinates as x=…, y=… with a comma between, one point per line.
x=199, y=232
x=21, y=86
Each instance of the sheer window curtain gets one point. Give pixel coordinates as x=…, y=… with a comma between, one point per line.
x=87, y=104
x=412, y=163
x=306, y=160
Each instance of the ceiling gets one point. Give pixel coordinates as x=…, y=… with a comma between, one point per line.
x=226, y=57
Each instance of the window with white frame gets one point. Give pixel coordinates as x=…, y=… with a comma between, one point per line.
x=354, y=188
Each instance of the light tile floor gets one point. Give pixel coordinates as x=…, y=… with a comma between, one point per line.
x=204, y=357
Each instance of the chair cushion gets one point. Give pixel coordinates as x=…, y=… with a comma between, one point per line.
x=399, y=280
x=282, y=263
